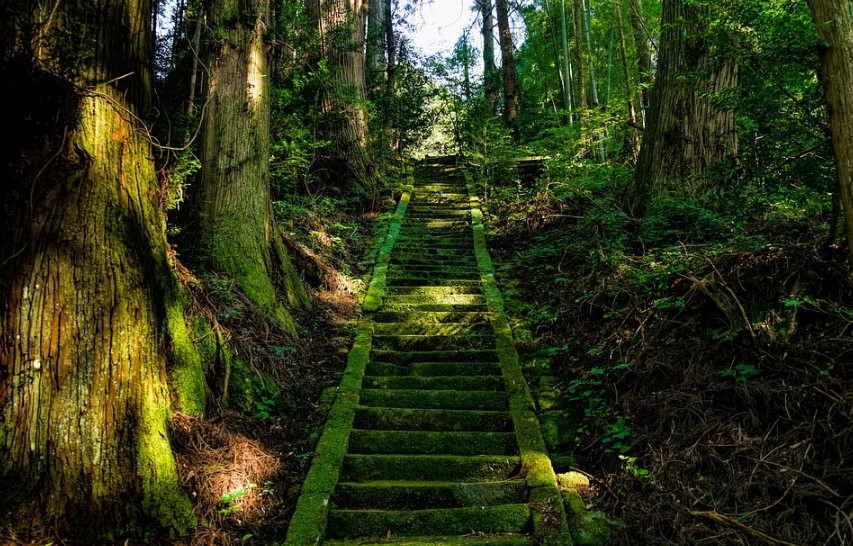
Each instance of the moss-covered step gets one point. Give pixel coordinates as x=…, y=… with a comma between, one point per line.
x=390, y=495
x=427, y=369
x=432, y=328
x=420, y=343
x=432, y=254
x=402, y=382
x=417, y=259
x=422, y=442
x=430, y=317
x=432, y=419
x=479, y=539
x=364, y=468
x=432, y=291
x=444, y=399
x=413, y=280
x=407, y=357
x=505, y=518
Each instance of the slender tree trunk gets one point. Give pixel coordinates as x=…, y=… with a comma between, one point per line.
x=686, y=132
x=580, y=87
x=510, y=76
x=644, y=57
x=633, y=132
x=491, y=77
x=85, y=284
x=233, y=194
x=834, y=22
x=567, y=60
x=593, y=83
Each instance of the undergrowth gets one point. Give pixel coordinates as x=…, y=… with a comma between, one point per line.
x=703, y=355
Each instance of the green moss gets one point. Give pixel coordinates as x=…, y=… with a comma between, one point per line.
x=507, y=518
x=186, y=371
x=162, y=499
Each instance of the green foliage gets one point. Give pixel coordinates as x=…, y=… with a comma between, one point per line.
x=740, y=373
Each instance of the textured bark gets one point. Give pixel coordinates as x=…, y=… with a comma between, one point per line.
x=340, y=25
x=686, y=132
x=644, y=58
x=834, y=22
x=84, y=278
x=491, y=77
x=633, y=132
x=580, y=89
x=376, y=37
x=233, y=195
x=510, y=75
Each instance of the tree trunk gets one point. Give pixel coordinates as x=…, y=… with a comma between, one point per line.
x=581, y=95
x=376, y=48
x=491, y=77
x=633, y=132
x=644, y=58
x=834, y=21
x=686, y=132
x=86, y=290
x=510, y=76
x=233, y=195
x=340, y=24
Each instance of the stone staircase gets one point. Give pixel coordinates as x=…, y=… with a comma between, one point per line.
x=432, y=438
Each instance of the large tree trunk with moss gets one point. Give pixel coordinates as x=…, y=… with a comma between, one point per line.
x=834, y=22
x=235, y=218
x=86, y=289
x=510, y=75
x=686, y=131
x=340, y=25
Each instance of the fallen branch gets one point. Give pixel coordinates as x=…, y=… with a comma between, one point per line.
x=731, y=522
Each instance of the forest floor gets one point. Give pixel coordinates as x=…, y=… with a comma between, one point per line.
x=703, y=361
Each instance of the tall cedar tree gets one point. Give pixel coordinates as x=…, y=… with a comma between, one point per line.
x=491, y=77
x=510, y=74
x=686, y=132
x=232, y=198
x=340, y=25
x=87, y=297
x=834, y=22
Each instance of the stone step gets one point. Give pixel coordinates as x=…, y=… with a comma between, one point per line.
x=433, y=369
x=410, y=343
x=447, y=382
x=440, y=261
x=424, y=442
x=434, y=291
x=459, y=468
x=379, y=418
x=425, y=281
x=421, y=317
x=412, y=328
x=387, y=495
x=437, y=307
x=407, y=357
x=438, y=399
x=440, y=540
x=505, y=518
